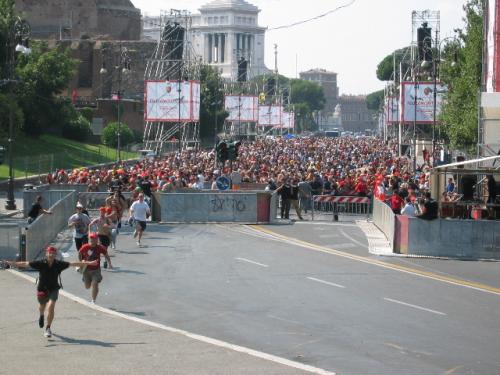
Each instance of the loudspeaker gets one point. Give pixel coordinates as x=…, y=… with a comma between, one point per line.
x=242, y=69
x=405, y=149
x=424, y=40
x=271, y=87
x=466, y=186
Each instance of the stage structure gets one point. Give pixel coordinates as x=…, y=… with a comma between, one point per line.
x=241, y=102
x=172, y=88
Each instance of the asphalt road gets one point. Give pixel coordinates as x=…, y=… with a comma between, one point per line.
x=341, y=310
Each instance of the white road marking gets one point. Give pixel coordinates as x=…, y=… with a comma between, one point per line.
x=251, y=261
x=326, y=282
x=329, y=235
x=352, y=239
x=415, y=306
x=194, y=336
x=341, y=246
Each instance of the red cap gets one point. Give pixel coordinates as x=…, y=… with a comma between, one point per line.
x=93, y=235
x=51, y=249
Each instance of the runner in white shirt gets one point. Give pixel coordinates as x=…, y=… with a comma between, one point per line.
x=140, y=212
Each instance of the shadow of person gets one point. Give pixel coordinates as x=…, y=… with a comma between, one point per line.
x=89, y=342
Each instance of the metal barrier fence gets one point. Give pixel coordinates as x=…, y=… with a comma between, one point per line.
x=384, y=219
x=335, y=206
x=10, y=235
x=46, y=227
x=50, y=197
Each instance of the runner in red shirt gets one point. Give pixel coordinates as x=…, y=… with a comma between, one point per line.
x=92, y=274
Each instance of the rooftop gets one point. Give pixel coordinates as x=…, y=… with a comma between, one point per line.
x=241, y=5
x=317, y=70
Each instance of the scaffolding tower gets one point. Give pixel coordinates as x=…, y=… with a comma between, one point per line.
x=173, y=60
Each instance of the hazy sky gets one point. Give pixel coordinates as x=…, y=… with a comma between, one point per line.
x=350, y=42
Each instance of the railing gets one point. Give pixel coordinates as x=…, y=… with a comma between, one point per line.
x=46, y=227
x=344, y=205
x=384, y=219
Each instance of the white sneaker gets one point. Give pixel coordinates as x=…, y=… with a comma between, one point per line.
x=92, y=302
x=47, y=333
x=139, y=243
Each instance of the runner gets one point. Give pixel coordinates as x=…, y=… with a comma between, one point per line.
x=104, y=225
x=80, y=222
x=48, y=284
x=139, y=212
x=92, y=273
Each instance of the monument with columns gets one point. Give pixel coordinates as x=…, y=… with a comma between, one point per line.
x=222, y=33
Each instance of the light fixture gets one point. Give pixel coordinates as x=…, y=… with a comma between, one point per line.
x=425, y=64
x=24, y=50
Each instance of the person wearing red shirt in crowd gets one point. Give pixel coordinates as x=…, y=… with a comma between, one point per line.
x=396, y=202
x=92, y=273
x=361, y=189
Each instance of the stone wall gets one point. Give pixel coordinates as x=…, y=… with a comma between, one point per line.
x=74, y=19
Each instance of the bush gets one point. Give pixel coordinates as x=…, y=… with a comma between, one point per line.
x=77, y=129
x=110, y=135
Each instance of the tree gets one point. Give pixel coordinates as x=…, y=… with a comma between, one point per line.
x=459, y=114
x=212, y=113
x=42, y=76
x=110, y=134
x=306, y=98
x=7, y=19
x=375, y=100
x=77, y=129
x=385, y=68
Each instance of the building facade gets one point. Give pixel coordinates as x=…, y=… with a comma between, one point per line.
x=223, y=32
x=77, y=19
x=356, y=117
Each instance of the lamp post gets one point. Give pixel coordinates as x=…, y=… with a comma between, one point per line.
x=123, y=67
x=17, y=41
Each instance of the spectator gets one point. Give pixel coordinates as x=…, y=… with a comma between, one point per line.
x=396, y=202
x=409, y=208
x=430, y=208
x=37, y=209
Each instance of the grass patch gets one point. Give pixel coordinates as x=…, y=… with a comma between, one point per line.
x=48, y=153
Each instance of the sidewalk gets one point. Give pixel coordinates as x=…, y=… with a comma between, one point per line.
x=18, y=212
x=93, y=340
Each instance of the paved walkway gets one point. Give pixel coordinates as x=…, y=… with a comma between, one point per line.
x=93, y=340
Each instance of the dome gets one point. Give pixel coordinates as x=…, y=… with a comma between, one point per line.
x=240, y=5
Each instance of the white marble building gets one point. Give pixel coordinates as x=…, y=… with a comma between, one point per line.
x=223, y=32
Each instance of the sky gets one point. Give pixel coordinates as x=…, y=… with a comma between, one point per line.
x=350, y=41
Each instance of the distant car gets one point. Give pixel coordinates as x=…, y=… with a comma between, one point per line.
x=146, y=154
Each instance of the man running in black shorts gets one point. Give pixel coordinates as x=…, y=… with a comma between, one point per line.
x=48, y=282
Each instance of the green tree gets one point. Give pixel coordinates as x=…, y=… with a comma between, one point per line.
x=110, y=134
x=42, y=76
x=459, y=114
x=306, y=98
x=212, y=102
x=7, y=19
x=8, y=104
x=375, y=100
x=386, y=67
x=77, y=129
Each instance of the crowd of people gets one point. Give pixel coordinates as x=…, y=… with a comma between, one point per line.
x=296, y=168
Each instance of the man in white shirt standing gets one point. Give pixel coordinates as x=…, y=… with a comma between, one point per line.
x=409, y=208
x=140, y=212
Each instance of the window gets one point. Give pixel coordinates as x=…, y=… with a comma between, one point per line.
x=210, y=20
x=216, y=20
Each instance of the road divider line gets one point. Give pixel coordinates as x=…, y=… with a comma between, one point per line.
x=352, y=239
x=429, y=275
x=252, y=262
x=194, y=336
x=326, y=282
x=414, y=306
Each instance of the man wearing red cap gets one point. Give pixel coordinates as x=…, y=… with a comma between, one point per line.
x=92, y=273
x=48, y=286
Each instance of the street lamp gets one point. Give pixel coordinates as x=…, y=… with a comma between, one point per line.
x=123, y=67
x=17, y=41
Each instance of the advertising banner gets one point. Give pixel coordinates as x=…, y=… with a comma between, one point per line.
x=391, y=110
x=287, y=120
x=270, y=115
x=164, y=102
x=242, y=108
x=424, y=104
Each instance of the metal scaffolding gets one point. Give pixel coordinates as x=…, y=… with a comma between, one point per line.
x=173, y=59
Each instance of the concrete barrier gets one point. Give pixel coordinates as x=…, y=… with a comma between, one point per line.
x=206, y=207
x=471, y=239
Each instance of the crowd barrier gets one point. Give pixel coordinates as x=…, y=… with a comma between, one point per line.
x=384, y=219
x=343, y=205
x=46, y=227
x=10, y=236
x=50, y=197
